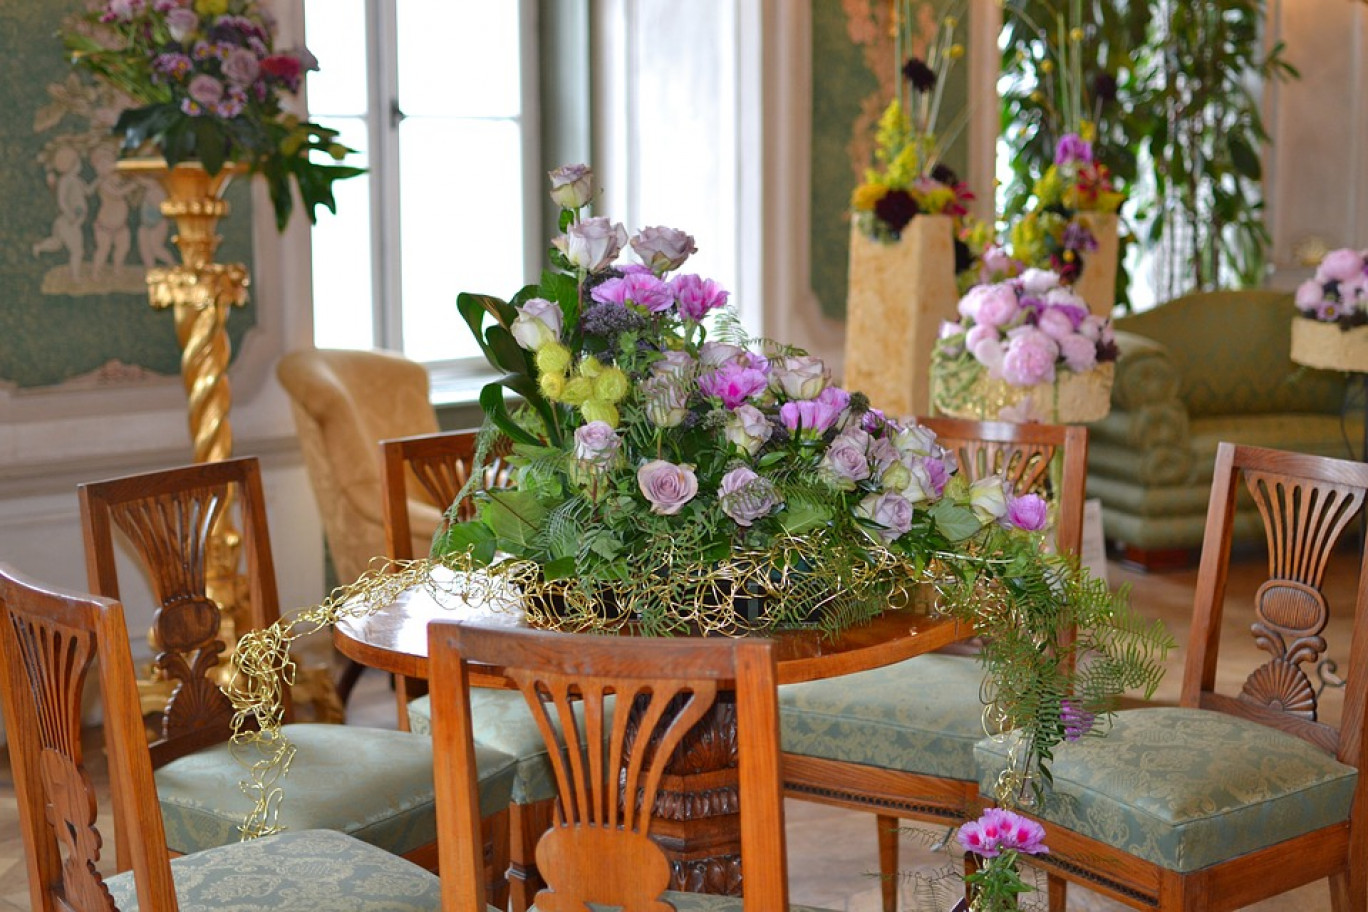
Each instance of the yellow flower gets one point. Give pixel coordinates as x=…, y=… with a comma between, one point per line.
x=552, y=386
x=597, y=410
x=1110, y=201
x=611, y=385
x=955, y=52
x=1087, y=130
x=867, y=196
x=211, y=7
x=578, y=390
x=936, y=200
x=553, y=358
x=1047, y=66
x=1075, y=34
x=1050, y=188
x=590, y=367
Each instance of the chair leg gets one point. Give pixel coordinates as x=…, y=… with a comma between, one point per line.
x=1058, y=889
x=529, y=822
x=888, y=861
x=495, y=830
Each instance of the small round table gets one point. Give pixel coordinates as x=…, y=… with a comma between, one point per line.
x=698, y=824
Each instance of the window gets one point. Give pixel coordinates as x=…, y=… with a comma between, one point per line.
x=438, y=96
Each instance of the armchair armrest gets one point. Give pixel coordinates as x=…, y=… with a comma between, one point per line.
x=1147, y=435
x=1145, y=373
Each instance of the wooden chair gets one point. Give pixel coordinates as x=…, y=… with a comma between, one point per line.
x=433, y=469
x=49, y=641
x=370, y=783
x=899, y=741
x=599, y=850
x=1243, y=791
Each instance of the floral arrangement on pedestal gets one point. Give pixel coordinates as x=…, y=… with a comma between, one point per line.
x=908, y=178
x=1052, y=235
x=1019, y=341
x=1338, y=293
x=206, y=83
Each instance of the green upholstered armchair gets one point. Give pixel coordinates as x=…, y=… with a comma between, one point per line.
x=1193, y=372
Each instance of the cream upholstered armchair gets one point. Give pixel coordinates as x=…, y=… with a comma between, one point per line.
x=345, y=403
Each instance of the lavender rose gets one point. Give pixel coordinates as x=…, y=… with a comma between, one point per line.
x=748, y=428
x=1028, y=512
x=677, y=364
x=205, y=89
x=593, y=243
x=571, y=185
x=596, y=444
x=667, y=486
x=665, y=400
x=890, y=511
x=799, y=377
x=538, y=323
x=663, y=249
x=716, y=354
x=746, y=497
x=846, y=462
x=181, y=23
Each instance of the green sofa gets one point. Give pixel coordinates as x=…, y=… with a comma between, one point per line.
x=1193, y=372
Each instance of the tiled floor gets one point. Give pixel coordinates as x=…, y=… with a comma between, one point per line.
x=832, y=852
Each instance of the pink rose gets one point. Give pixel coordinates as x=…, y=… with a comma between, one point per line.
x=663, y=249
x=1030, y=357
x=241, y=67
x=205, y=89
x=667, y=486
x=745, y=496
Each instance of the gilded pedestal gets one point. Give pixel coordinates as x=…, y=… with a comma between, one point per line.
x=900, y=293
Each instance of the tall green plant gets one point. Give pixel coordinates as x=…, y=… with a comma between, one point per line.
x=1168, y=89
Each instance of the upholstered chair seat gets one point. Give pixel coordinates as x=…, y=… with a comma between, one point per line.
x=384, y=776
x=922, y=716
x=301, y=871
x=1187, y=788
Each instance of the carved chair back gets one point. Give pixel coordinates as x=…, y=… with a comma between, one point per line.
x=168, y=517
x=435, y=468
x=608, y=765
x=49, y=641
x=1306, y=503
x=1023, y=454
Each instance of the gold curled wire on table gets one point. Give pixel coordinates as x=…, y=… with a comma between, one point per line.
x=751, y=592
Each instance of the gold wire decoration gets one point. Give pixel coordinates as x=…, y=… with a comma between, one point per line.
x=262, y=665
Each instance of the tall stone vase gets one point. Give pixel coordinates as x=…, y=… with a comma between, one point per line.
x=1097, y=284
x=899, y=293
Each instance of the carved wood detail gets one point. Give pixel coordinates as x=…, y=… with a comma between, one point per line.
x=171, y=533
x=1303, y=520
x=55, y=665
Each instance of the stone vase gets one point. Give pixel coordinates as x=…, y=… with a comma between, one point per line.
x=899, y=294
x=1097, y=284
x=1326, y=346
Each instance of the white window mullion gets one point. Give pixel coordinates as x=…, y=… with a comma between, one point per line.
x=387, y=249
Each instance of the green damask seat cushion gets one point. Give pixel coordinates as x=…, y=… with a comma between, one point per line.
x=923, y=715
x=706, y=902
x=1187, y=788
x=369, y=783
x=503, y=722
x=303, y=871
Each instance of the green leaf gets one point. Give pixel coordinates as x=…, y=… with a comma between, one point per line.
x=492, y=402
x=508, y=354
x=802, y=516
x=514, y=516
x=473, y=536
x=472, y=309
x=560, y=568
x=1243, y=157
x=954, y=522
x=526, y=387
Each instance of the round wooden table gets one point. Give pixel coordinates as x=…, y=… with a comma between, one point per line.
x=696, y=810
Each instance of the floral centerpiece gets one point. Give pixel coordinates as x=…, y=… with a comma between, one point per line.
x=206, y=81
x=1333, y=311
x=1024, y=349
x=909, y=177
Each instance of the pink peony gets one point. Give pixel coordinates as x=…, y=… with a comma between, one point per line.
x=1309, y=294
x=1079, y=353
x=1340, y=265
x=667, y=486
x=999, y=306
x=1030, y=357
x=697, y=296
